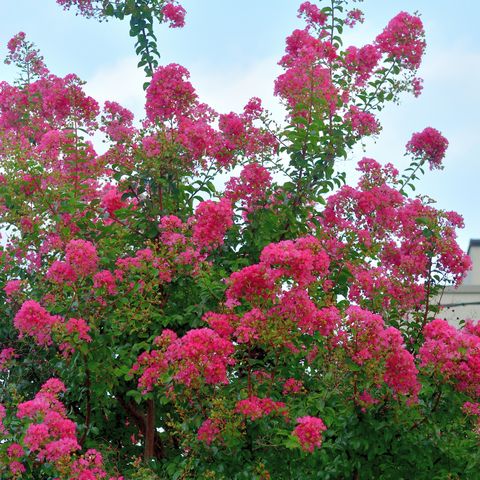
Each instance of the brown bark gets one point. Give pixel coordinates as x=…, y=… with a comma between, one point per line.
x=149, y=451
x=141, y=421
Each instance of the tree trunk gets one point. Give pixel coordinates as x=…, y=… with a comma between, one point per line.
x=149, y=452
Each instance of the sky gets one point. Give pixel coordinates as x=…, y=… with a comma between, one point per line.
x=232, y=48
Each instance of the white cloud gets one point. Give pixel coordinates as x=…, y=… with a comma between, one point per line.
x=230, y=90
x=121, y=82
x=224, y=90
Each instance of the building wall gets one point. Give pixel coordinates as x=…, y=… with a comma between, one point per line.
x=463, y=303
x=459, y=304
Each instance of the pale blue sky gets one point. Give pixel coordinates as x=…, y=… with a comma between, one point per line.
x=232, y=47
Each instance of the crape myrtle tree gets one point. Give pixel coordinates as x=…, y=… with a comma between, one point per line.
x=283, y=326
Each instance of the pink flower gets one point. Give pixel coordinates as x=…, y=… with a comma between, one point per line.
x=22, y=53
x=209, y=431
x=12, y=286
x=151, y=146
x=301, y=260
x=53, y=386
x=151, y=366
x=429, y=145
x=112, y=200
x=417, y=86
x=365, y=400
x=16, y=41
x=292, y=386
x=252, y=283
x=85, y=7
x=17, y=468
x=250, y=187
x=363, y=123
x=118, y=122
x=6, y=355
x=78, y=327
x=221, y=323
x=303, y=86
x=313, y=15
x=32, y=319
x=169, y=94
x=403, y=39
x=61, y=273
x=82, y=256
x=354, y=16
x=175, y=14
x=255, y=408
x=201, y=354
x=105, y=279
x=309, y=432
x=210, y=223
x=3, y=414
x=453, y=353
x=253, y=108
x=362, y=62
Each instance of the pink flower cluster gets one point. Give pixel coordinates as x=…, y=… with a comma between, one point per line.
x=82, y=256
x=151, y=365
x=81, y=260
x=404, y=40
x=253, y=283
x=15, y=452
x=210, y=223
x=305, y=87
x=292, y=386
x=87, y=8
x=276, y=289
x=362, y=123
x=3, y=414
x=61, y=273
x=171, y=99
x=117, y=122
x=104, y=279
x=171, y=11
x=6, y=355
x=312, y=14
x=382, y=220
x=79, y=328
x=112, y=200
x=32, y=319
x=297, y=306
x=209, y=431
x=49, y=104
x=306, y=84
x=309, y=432
x=174, y=14
x=354, y=16
x=429, y=145
x=250, y=188
x=12, y=287
x=51, y=437
x=453, y=353
x=255, y=408
x=22, y=54
x=200, y=356
x=145, y=264
x=379, y=350
x=362, y=62
x=303, y=260
x=170, y=95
